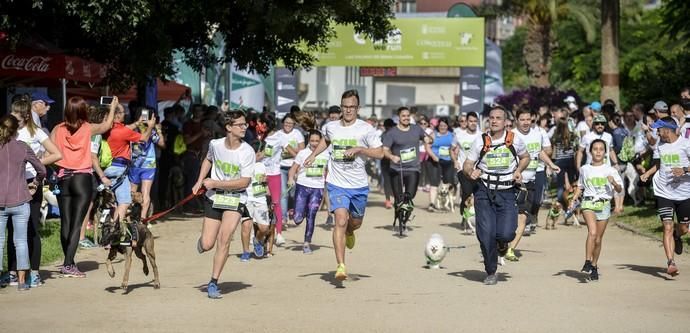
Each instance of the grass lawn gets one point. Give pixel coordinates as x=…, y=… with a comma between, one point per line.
x=643, y=220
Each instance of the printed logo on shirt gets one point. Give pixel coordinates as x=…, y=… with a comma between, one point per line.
x=466, y=146
x=286, y=154
x=671, y=160
x=228, y=169
x=598, y=182
x=534, y=147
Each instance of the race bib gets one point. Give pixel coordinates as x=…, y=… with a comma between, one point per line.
x=596, y=206
x=286, y=154
x=259, y=189
x=498, y=160
x=314, y=171
x=268, y=151
x=226, y=200
x=533, y=164
x=339, y=154
x=408, y=155
x=444, y=151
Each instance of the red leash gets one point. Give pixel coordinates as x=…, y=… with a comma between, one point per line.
x=177, y=205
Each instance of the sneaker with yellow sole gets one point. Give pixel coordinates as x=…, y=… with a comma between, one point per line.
x=510, y=255
x=350, y=240
x=340, y=273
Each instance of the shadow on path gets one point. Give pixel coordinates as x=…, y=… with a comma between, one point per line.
x=330, y=278
x=130, y=288
x=478, y=276
x=579, y=276
x=654, y=271
x=225, y=287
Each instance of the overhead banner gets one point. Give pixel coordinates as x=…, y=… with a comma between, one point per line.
x=471, y=89
x=493, y=74
x=247, y=90
x=418, y=42
x=286, y=91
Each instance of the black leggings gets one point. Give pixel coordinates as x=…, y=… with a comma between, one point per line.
x=74, y=200
x=410, y=179
x=33, y=237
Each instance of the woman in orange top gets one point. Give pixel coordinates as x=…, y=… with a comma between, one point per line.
x=73, y=138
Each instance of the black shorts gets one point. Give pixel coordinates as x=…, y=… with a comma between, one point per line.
x=441, y=171
x=524, y=198
x=665, y=208
x=217, y=214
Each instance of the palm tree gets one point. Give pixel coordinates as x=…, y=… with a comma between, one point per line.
x=540, y=16
x=610, y=21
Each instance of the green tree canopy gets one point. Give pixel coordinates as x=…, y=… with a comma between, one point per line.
x=137, y=37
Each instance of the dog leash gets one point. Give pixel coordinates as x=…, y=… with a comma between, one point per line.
x=177, y=205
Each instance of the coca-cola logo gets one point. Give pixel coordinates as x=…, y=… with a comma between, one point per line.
x=29, y=64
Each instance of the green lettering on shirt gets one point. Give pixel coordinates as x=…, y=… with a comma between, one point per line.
x=228, y=169
x=597, y=181
x=672, y=160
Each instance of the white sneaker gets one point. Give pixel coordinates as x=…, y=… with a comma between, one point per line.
x=501, y=261
x=280, y=240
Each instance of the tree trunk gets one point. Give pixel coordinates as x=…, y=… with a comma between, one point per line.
x=537, y=53
x=610, y=20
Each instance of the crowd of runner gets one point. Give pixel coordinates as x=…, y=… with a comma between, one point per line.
x=259, y=172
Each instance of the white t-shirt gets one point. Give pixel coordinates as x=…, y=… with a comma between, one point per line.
x=595, y=183
x=314, y=176
x=35, y=142
x=589, y=138
x=498, y=160
x=230, y=164
x=685, y=130
x=464, y=140
x=256, y=192
x=672, y=155
x=582, y=127
x=294, y=138
x=275, y=143
x=534, y=142
x=349, y=172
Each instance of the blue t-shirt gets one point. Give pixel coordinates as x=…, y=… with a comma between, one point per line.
x=144, y=153
x=442, y=145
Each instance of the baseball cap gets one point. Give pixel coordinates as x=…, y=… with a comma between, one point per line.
x=661, y=106
x=41, y=96
x=665, y=122
x=569, y=99
x=599, y=119
x=596, y=106
x=333, y=109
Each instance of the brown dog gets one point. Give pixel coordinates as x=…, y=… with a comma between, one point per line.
x=143, y=244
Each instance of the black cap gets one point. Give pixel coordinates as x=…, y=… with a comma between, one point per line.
x=333, y=109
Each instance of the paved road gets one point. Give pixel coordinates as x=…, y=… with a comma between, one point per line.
x=389, y=290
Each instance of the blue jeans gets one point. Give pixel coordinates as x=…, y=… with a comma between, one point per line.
x=496, y=221
x=123, y=193
x=20, y=222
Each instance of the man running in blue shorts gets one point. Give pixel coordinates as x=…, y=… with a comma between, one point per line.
x=351, y=141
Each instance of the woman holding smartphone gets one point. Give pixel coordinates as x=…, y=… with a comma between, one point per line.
x=143, y=169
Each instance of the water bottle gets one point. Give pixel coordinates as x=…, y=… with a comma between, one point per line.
x=570, y=212
x=100, y=188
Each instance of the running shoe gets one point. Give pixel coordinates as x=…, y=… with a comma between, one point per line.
x=501, y=261
x=71, y=271
x=587, y=267
x=350, y=240
x=340, y=273
x=35, y=280
x=213, y=291
x=199, y=248
x=594, y=274
x=280, y=240
x=677, y=242
x=510, y=255
x=23, y=287
x=245, y=257
x=672, y=269
x=258, y=248
x=306, y=249
x=491, y=280
x=9, y=279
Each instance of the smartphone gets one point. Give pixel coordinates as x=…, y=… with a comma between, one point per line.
x=106, y=100
x=145, y=114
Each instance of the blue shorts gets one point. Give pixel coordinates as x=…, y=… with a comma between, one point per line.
x=123, y=194
x=137, y=175
x=352, y=199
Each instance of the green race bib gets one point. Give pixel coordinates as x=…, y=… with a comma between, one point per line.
x=268, y=151
x=259, y=189
x=533, y=164
x=339, y=154
x=408, y=155
x=498, y=159
x=596, y=206
x=444, y=151
x=226, y=200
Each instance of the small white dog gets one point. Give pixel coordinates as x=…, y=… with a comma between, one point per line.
x=445, y=198
x=434, y=251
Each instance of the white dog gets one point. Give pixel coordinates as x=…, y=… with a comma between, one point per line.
x=445, y=198
x=434, y=251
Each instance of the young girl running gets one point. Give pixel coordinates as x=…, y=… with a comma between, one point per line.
x=231, y=163
x=310, y=184
x=596, y=184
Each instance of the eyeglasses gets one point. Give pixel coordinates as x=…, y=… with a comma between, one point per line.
x=241, y=125
x=290, y=123
x=424, y=123
x=602, y=124
x=349, y=107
